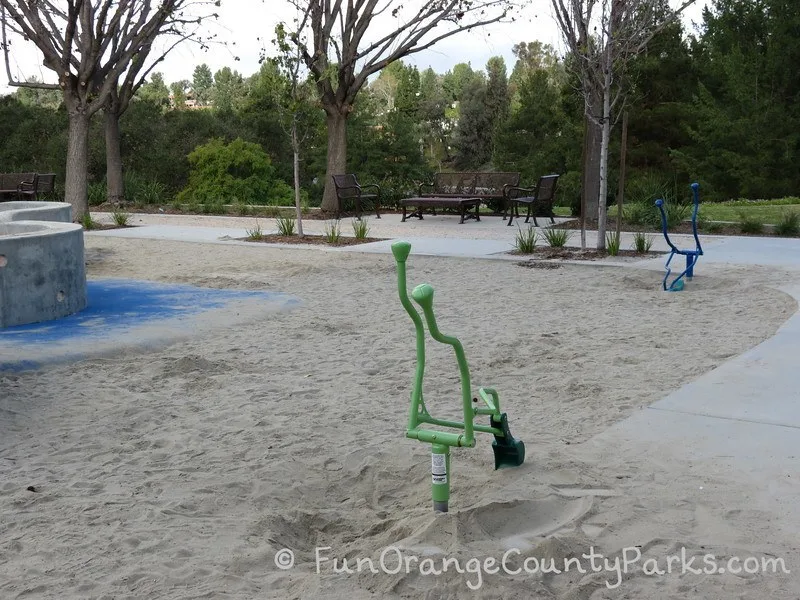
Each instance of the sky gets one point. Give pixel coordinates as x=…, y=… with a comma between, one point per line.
x=246, y=26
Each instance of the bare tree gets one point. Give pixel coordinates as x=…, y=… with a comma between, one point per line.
x=293, y=99
x=343, y=55
x=99, y=50
x=601, y=46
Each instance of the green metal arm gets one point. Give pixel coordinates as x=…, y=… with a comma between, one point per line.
x=401, y=250
x=423, y=295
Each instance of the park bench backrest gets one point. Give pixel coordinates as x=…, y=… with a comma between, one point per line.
x=546, y=192
x=47, y=182
x=454, y=183
x=474, y=184
x=346, y=185
x=493, y=184
x=10, y=181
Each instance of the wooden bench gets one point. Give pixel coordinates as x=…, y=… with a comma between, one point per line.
x=25, y=186
x=461, y=204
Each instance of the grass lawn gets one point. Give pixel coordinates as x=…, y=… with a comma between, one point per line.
x=766, y=211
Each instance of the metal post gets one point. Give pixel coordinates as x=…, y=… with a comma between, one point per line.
x=440, y=476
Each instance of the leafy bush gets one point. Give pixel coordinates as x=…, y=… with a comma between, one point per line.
x=750, y=224
x=788, y=224
x=557, y=238
x=526, y=240
x=236, y=172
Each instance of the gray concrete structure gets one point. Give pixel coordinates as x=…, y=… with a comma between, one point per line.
x=35, y=211
x=42, y=268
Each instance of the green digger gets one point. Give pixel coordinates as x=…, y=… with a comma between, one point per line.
x=508, y=452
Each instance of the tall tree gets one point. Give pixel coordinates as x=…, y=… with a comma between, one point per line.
x=202, y=82
x=624, y=27
x=155, y=91
x=348, y=43
x=497, y=97
x=99, y=52
x=229, y=90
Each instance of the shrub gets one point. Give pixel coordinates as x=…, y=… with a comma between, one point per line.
x=612, y=243
x=360, y=228
x=120, y=218
x=526, y=240
x=557, y=238
x=96, y=193
x=88, y=222
x=642, y=242
x=713, y=227
x=788, y=224
x=332, y=232
x=750, y=224
x=226, y=173
x=285, y=225
x=256, y=233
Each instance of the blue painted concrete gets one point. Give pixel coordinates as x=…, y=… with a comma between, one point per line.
x=123, y=312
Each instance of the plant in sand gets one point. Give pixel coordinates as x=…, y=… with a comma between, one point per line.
x=286, y=225
x=360, y=228
x=557, y=238
x=642, y=242
x=526, y=240
x=88, y=222
x=120, y=218
x=332, y=232
x=612, y=243
x=256, y=233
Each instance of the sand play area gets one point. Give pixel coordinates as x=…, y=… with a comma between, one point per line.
x=186, y=471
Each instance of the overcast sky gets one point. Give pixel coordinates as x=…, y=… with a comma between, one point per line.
x=246, y=25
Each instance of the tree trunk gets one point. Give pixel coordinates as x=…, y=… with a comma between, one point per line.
x=337, y=156
x=75, y=186
x=621, y=189
x=591, y=165
x=296, y=153
x=604, y=142
x=115, y=188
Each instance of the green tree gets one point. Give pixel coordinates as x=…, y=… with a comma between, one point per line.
x=497, y=96
x=746, y=135
x=236, y=172
x=473, y=135
x=179, y=89
x=202, y=82
x=155, y=91
x=229, y=90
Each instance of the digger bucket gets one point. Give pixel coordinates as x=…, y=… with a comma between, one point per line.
x=508, y=452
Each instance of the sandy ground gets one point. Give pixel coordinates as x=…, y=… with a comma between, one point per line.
x=180, y=473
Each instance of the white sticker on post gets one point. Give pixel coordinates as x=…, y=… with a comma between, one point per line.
x=439, y=468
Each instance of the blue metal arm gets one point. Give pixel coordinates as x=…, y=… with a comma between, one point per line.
x=691, y=255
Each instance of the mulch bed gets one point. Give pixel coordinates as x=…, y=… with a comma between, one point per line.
x=547, y=252
x=275, y=238
x=684, y=227
x=105, y=226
